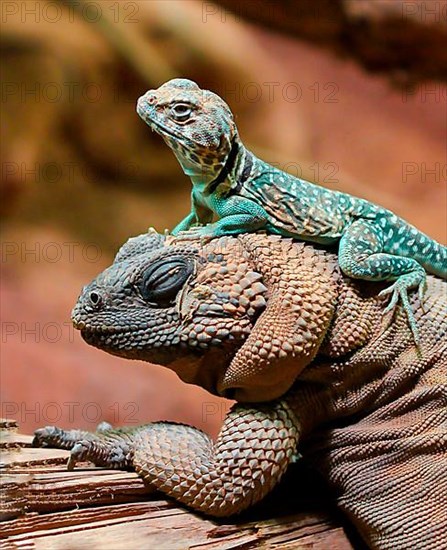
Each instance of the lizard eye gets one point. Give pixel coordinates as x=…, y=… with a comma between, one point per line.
x=181, y=112
x=163, y=279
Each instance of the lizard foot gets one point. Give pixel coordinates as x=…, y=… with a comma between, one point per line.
x=53, y=437
x=106, y=447
x=399, y=290
x=204, y=233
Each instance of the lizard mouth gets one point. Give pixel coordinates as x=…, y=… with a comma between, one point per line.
x=103, y=336
x=129, y=338
x=120, y=341
x=86, y=328
x=164, y=130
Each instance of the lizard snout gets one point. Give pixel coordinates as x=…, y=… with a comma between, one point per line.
x=146, y=104
x=88, y=303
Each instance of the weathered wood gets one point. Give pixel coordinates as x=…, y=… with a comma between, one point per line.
x=45, y=506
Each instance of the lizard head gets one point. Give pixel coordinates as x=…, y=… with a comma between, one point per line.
x=196, y=124
x=239, y=316
x=181, y=305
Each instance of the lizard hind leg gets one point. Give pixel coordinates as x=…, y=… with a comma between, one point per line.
x=361, y=256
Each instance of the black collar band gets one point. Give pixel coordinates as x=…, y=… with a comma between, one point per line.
x=227, y=167
x=246, y=171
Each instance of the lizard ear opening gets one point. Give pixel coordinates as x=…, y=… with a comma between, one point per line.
x=287, y=335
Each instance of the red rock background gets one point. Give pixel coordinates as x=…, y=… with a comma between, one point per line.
x=81, y=172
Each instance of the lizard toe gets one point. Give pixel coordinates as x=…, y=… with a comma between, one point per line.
x=80, y=452
x=194, y=233
x=399, y=292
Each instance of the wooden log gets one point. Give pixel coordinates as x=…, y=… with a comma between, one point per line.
x=43, y=505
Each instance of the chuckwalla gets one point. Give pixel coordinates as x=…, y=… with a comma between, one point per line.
x=275, y=325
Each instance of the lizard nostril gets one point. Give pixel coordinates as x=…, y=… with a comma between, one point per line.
x=151, y=99
x=95, y=298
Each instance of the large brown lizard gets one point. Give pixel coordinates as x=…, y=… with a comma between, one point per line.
x=275, y=325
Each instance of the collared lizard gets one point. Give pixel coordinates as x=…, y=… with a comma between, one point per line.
x=276, y=325
x=247, y=194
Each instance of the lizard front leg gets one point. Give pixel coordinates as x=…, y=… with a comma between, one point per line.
x=199, y=215
x=361, y=256
x=237, y=215
x=252, y=452
x=185, y=224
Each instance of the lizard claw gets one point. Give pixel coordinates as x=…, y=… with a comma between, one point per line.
x=399, y=290
x=79, y=453
x=395, y=294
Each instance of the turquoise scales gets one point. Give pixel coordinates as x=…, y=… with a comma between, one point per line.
x=247, y=194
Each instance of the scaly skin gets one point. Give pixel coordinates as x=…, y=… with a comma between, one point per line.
x=275, y=325
x=248, y=194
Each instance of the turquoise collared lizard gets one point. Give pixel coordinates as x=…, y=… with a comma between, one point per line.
x=247, y=194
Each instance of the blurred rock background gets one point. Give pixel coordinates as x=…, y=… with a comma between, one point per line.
x=349, y=93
